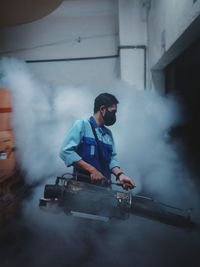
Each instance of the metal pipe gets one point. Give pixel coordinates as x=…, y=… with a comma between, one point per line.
x=69, y=59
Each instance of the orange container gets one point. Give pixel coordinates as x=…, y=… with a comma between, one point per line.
x=5, y=121
x=7, y=155
x=7, y=146
x=5, y=109
x=5, y=98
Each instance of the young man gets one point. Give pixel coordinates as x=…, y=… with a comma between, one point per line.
x=90, y=148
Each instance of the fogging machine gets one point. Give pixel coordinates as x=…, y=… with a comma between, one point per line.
x=90, y=201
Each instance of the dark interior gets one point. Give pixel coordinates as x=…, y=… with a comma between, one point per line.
x=183, y=79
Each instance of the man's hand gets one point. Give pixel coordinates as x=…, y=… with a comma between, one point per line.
x=96, y=176
x=126, y=182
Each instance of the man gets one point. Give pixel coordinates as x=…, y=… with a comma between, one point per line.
x=90, y=148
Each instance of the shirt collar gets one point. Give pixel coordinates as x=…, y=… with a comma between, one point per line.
x=102, y=129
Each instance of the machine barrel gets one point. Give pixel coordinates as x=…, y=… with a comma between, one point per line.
x=155, y=210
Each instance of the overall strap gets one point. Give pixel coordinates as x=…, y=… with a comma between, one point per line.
x=102, y=160
x=101, y=157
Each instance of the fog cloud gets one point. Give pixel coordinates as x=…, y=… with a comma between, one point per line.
x=41, y=116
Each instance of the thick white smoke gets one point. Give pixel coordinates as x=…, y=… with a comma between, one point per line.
x=40, y=118
x=42, y=115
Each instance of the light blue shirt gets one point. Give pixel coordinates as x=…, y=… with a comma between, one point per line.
x=79, y=143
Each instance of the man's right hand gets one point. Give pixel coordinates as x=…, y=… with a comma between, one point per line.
x=96, y=176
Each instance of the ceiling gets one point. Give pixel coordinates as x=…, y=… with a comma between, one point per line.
x=16, y=12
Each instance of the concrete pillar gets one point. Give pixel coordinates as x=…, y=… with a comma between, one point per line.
x=132, y=39
x=158, y=81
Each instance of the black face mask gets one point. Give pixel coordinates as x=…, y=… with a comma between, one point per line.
x=109, y=117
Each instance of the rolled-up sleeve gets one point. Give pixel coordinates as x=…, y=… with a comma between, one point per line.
x=71, y=141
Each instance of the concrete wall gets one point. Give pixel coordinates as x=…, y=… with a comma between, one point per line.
x=79, y=29
x=133, y=36
x=93, y=28
x=172, y=26
x=76, y=29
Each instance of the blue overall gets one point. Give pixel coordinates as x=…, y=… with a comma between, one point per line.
x=79, y=143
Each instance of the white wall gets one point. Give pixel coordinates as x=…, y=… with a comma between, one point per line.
x=96, y=73
x=78, y=28
x=93, y=28
x=132, y=32
x=168, y=31
x=83, y=28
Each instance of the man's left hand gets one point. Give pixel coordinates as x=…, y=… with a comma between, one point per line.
x=126, y=182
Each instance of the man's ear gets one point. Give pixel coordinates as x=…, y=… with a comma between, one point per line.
x=102, y=109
